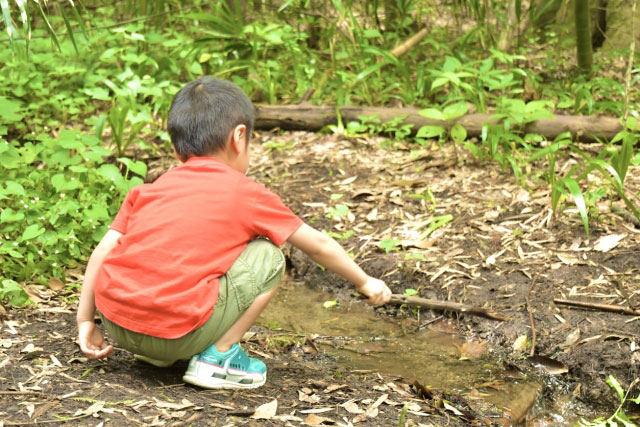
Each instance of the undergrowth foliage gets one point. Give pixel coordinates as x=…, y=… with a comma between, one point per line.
x=58, y=197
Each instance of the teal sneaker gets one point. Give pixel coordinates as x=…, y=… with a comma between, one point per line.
x=232, y=369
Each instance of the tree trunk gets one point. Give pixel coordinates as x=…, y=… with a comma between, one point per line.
x=313, y=118
x=583, y=36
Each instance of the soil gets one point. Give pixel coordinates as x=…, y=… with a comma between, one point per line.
x=502, y=249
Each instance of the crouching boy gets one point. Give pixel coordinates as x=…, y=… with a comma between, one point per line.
x=190, y=261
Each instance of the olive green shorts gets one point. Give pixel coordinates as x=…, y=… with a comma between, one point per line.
x=257, y=270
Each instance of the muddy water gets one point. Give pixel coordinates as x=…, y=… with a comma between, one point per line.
x=435, y=355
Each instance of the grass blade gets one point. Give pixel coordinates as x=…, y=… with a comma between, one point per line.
x=6, y=15
x=79, y=19
x=578, y=199
x=67, y=24
x=48, y=26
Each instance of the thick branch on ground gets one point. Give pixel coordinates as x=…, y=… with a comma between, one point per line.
x=446, y=306
x=313, y=118
x=596, y=306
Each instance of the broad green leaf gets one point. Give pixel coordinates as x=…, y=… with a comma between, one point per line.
x=9, y=215
x=440, y=81
x=99, y=93
x=138, y=167
x=458, y=133
x=110, y=172
x=389, y=245
x=13, y=188
x=96, y=212
x=32, y=231
x=578, y=199
x=12, y=291
x=456, y=110
x=429, y=131
x=409, y=292
x=432, y=113
x=8, y=110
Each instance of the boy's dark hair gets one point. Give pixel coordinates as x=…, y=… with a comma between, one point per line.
x=204, y=113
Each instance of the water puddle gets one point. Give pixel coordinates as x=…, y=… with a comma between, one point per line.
x=436, y=356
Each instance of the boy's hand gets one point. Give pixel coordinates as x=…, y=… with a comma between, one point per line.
x=91, y=341
x=376, y=290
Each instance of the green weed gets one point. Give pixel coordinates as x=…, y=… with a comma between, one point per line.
x=619, y=418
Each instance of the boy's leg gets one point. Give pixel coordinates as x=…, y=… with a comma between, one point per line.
x=235, y=333
x=248, y=287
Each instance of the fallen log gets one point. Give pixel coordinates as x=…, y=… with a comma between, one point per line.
x=446, y=306
x=313, y=118
x=597, y=306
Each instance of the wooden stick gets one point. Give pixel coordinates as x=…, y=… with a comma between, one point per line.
x=19, y=393
x=531, y=322
x=407, y=45
x=596, y=306
x=446, y=306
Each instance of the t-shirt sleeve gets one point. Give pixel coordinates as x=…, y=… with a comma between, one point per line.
x=269, y=217
x=120, y=222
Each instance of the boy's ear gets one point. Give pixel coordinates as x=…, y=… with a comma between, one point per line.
x=239, y=138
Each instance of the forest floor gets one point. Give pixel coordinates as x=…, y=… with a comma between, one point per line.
x=503, y=249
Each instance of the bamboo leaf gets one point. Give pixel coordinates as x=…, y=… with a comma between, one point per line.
x=614, y=384
x=79, y=19
x=48, y=26
x=578, y=199
x=67, y=24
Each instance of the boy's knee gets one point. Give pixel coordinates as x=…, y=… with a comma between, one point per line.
x=262, y=252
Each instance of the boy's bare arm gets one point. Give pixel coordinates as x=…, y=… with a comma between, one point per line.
x=91, y=341
x=327, y=252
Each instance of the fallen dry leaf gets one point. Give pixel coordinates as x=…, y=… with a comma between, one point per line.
x=175, y=406
x=314, y=420
x=352, y=407
x=304, y=397
x=606, y=243
x=55, y=284
x=571, y=339
x=266, y=411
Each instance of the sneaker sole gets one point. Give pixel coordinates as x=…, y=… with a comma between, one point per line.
x=216, y=383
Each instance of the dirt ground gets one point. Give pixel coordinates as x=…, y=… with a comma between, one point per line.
x=501, y=248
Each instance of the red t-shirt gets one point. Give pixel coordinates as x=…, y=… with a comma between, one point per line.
x=180, y=234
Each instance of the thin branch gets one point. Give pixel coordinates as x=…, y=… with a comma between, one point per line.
x=446, y=306
x=596, y=306
x=531, y=322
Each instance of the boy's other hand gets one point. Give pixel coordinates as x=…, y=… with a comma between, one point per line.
x=92, y=342
x=376, y=290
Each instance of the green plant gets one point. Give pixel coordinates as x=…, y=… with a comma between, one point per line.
x=121, y=118
x=390, y=245
x=53, y=214
x=619, y=418
x=12, y=292
x=449, y=114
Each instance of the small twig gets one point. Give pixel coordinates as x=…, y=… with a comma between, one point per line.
x=596, y=306
x=307, y=96
x=446, y=306
x=531, y=322
x=33, y=423
x=19, y=393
